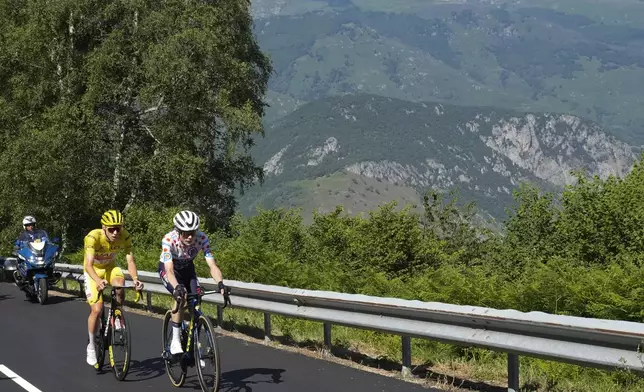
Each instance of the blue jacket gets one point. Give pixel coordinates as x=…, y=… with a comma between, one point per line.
x=33, y=235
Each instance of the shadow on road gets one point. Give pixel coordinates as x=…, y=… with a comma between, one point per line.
x=241, y=380
x=2, y=298
x=52, y=300
x=422, y=371
x=146, y=369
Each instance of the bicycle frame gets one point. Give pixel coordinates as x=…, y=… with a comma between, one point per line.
x=113, y=303
x=106, y=326
x=193, y=303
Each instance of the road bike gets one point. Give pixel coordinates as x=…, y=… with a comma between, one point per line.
x=114, y=332
x=198, y=326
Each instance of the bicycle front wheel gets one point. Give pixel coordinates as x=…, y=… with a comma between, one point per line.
x=100, y=341
x=207, y=355
x=173, y=365
x=120, y=346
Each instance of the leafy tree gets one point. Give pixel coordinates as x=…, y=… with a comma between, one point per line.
x=160, y=101
x=530, y=230
x=455, y=225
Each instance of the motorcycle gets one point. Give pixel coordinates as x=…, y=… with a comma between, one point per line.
x=34, y=273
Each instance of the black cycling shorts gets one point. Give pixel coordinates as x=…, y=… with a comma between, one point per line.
x=186, y=276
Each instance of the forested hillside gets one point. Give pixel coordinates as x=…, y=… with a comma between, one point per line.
x=360, y=150
x=581, y=57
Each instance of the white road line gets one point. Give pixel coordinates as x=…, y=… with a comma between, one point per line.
x=18, y=380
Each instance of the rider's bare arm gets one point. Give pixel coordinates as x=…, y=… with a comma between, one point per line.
x=215, y=272
x=89, y=260
x=131, y=267
x=89, y=267
x=169, y=271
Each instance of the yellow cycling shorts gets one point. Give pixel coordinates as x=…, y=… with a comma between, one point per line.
x=108, y=273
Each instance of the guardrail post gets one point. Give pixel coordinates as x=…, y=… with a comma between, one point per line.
x=148, y=300
x=267, y=327
x=513, y=373
x=64, y=284
x=406, y=356
x=327, y=335
x=220, y=317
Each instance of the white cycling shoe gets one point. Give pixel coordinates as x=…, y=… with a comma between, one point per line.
x=91, y=355
x=175, y=347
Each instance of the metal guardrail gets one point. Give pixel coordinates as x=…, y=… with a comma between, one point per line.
x=597, y=343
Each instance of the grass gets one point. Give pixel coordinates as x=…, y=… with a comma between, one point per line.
x=433, y=364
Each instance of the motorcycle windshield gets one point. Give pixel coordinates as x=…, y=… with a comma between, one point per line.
x=38, y=244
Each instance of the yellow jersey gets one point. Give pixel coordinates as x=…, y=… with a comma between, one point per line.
x=104, y=252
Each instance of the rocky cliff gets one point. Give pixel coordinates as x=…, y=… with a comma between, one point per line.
x=485, y=152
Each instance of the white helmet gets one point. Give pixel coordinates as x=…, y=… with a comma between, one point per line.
x=28, y=220
x=186, y=221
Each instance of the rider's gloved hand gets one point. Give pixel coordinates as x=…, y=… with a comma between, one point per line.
x=100, y=284
x=179, y=291
x=138, y=285
x=225, y=291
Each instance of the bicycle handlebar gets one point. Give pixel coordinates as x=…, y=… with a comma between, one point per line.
x=138, y=292
x=226, y=295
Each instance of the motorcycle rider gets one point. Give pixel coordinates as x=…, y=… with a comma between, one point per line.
x=30, y=232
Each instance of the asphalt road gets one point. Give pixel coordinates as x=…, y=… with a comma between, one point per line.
x=42, y=349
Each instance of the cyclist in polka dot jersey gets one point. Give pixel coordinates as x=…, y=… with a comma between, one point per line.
x=180, y=254
x=176, y=265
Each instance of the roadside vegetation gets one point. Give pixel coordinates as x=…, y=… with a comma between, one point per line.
x=577, y=253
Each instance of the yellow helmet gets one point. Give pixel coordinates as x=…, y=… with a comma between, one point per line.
x=112, y=218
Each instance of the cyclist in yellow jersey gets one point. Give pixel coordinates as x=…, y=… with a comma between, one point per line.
x=101, y=247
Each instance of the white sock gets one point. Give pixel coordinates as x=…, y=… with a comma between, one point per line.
x=91, y=339
x=176, y=333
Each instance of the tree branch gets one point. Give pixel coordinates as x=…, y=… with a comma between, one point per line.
x=154, y=108
x=130, y=201
x=151, y=134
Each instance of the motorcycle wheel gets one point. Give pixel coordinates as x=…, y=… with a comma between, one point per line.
x=42, y=291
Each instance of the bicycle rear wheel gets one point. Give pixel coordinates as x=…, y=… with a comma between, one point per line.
x=207, y=354
x=120, y=339
x=173, y=367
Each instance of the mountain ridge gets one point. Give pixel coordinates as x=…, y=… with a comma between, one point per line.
x=528, y=57
x=484, y=151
